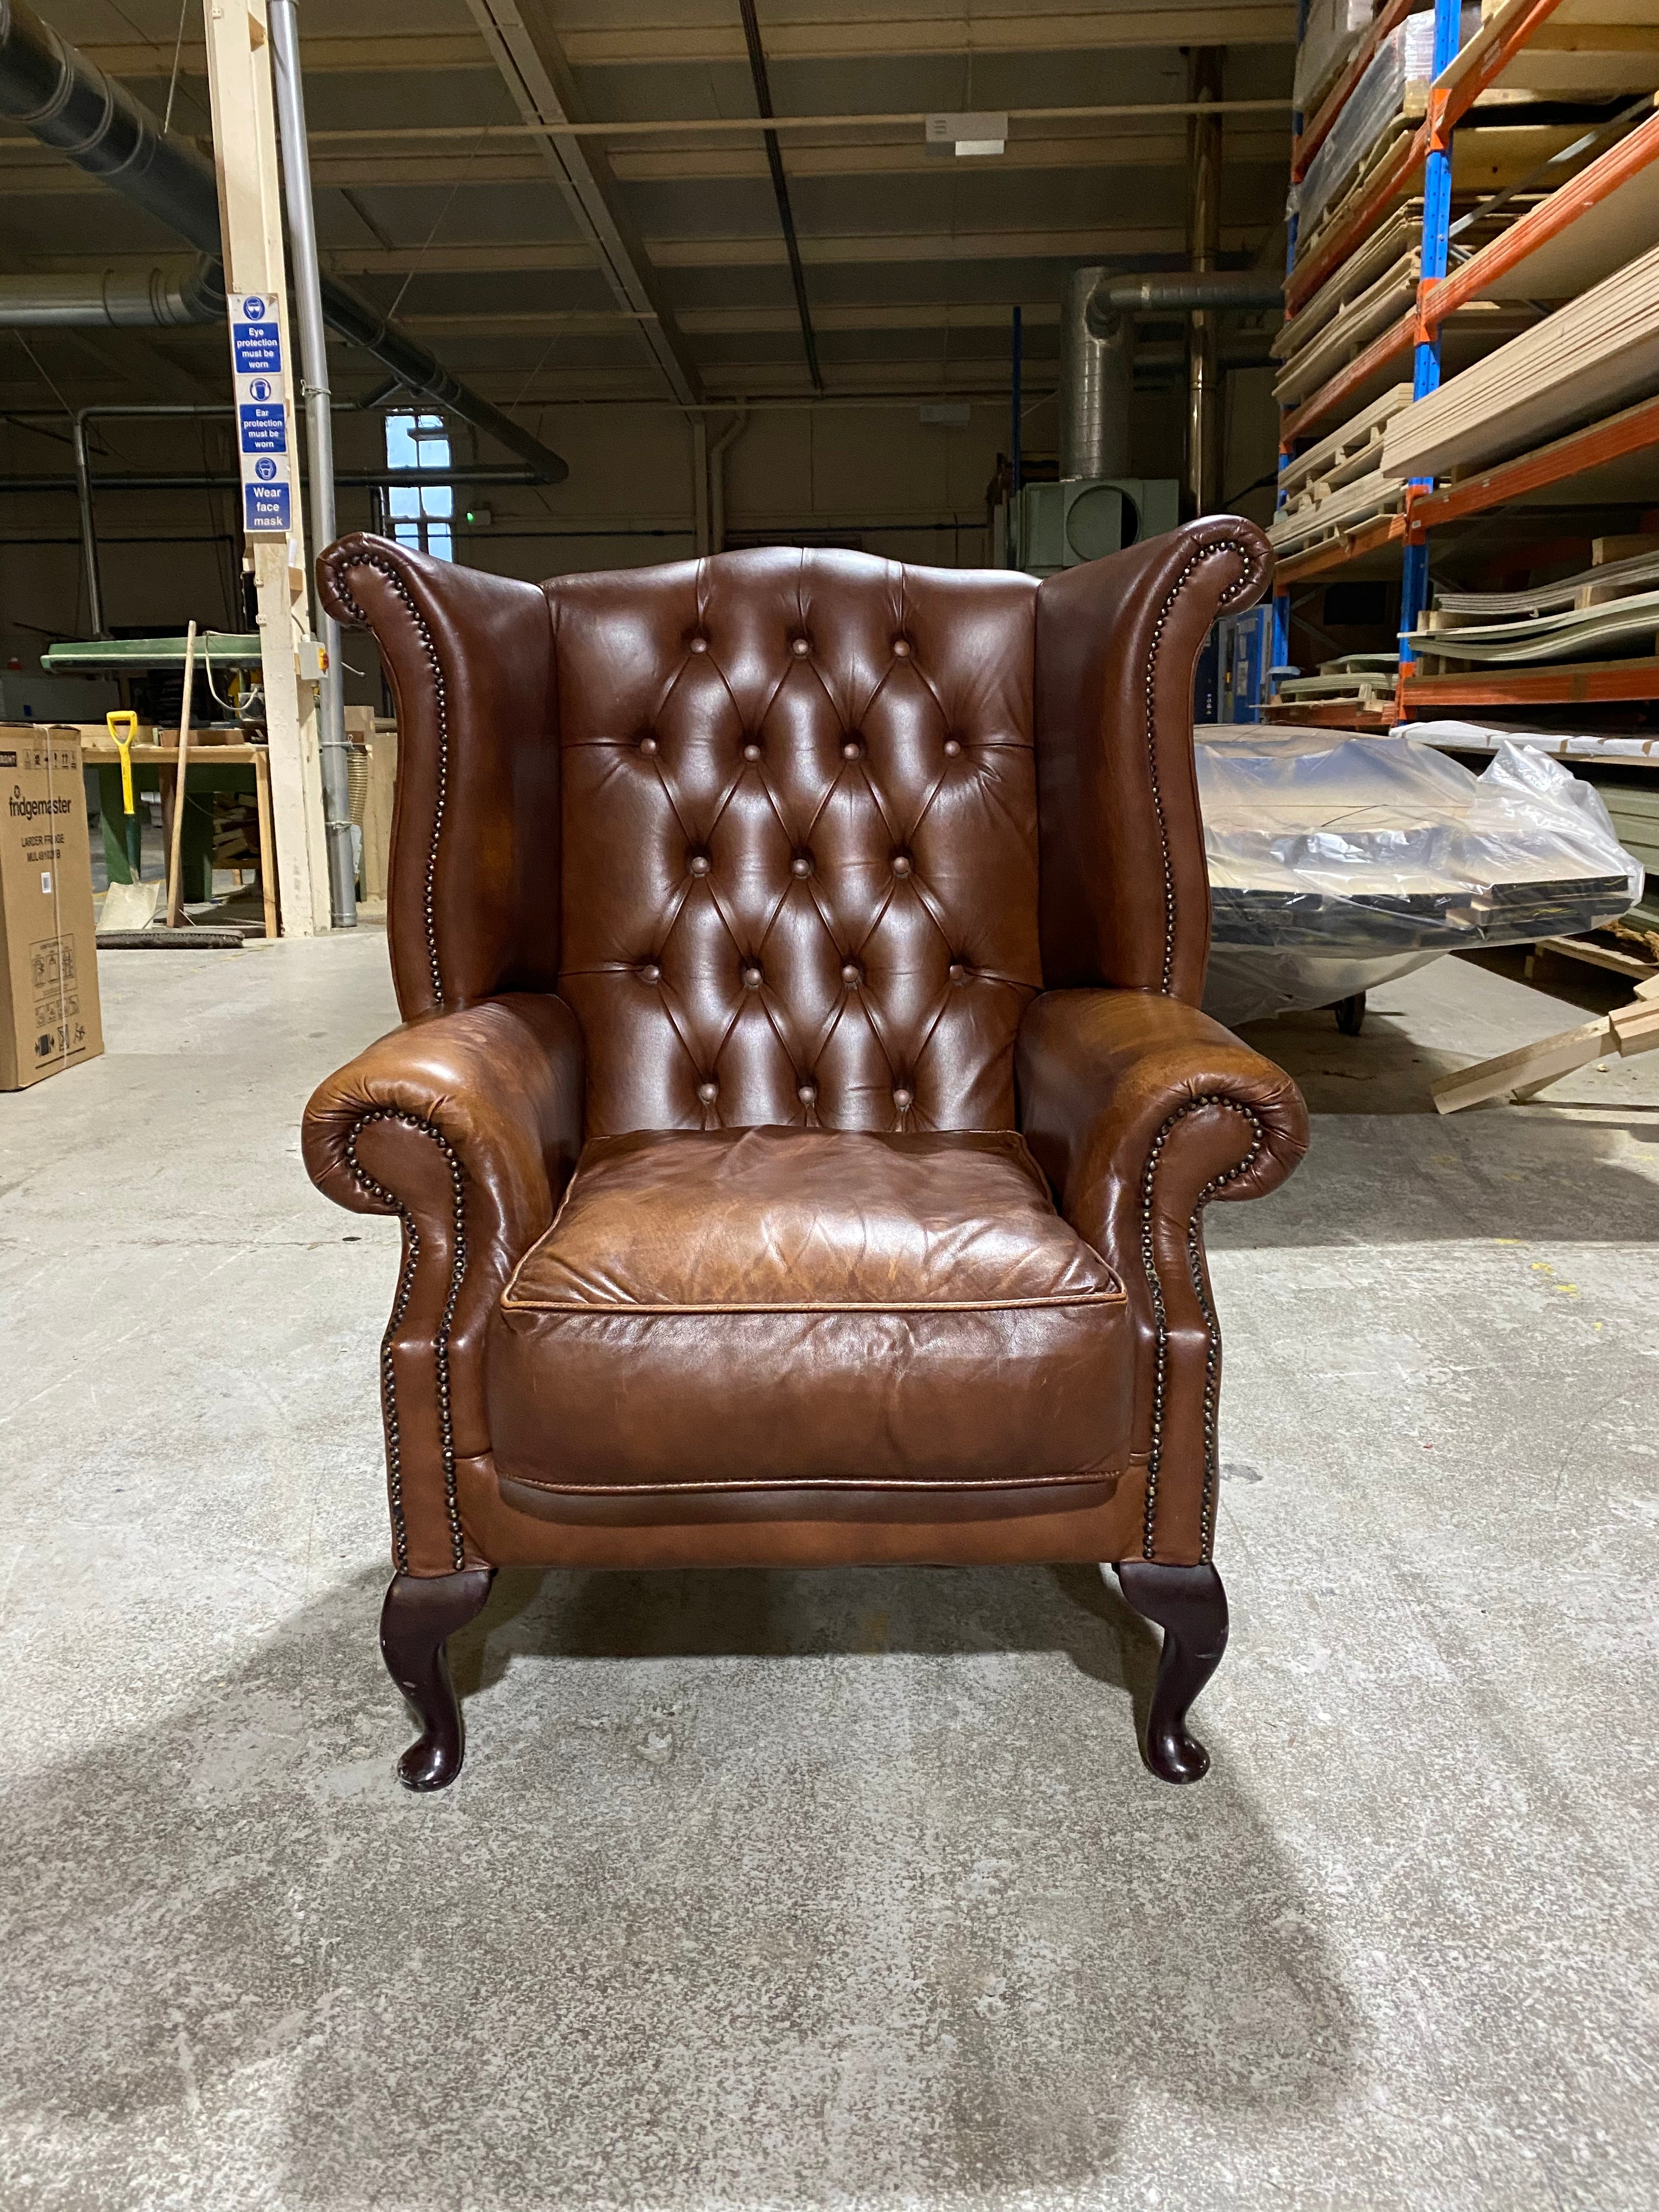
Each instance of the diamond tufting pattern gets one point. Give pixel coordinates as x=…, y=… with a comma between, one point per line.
x=798, y=841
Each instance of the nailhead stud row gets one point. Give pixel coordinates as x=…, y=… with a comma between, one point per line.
x=1213, y=1338
x=391, y=1203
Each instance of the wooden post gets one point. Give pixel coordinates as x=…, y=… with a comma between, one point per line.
x=250, y=217
x=176, y=826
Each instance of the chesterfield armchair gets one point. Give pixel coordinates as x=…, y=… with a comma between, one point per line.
x=802, y=1119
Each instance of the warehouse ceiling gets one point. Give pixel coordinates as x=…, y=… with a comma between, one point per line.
x=546, y=265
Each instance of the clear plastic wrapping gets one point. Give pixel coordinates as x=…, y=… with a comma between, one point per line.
x=1405, y=54
x=1337, y=862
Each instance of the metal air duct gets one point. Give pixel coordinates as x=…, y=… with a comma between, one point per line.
x=1183, y=293
x=116, y=299
x=1097, y=375
x=68, y=103
x=1097, y=354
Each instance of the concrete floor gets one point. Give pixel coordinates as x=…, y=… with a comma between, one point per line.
x=846, y=1890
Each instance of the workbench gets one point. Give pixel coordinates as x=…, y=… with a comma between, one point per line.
x=98, y=750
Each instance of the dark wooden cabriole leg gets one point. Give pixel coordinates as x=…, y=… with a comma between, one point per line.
x=420, y=1613
x=1190, y=1605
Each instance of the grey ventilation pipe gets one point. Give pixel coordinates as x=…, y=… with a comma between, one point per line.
x=1097, y=353
x=120, y=299
x=1097, y=375
x=68, y=103
x=1185, y=294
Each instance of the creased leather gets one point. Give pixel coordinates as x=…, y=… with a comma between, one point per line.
x=1126, y=897
x=787, y=1307
x=497, y=1088
x=1106, y=1080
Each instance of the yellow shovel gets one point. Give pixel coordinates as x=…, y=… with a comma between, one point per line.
x=128, y=906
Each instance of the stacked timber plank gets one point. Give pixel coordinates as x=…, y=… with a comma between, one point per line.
x=1588, y=358
x=1581, y=617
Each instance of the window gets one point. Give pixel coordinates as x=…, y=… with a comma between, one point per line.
x=420, y=515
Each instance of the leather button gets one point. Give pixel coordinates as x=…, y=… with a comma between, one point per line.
x=903, y=1097
x=958, y=971
x=802, y=865
x=807, y=1093
x=708, y=1092
x=851, y=972
x=901, y=648
x=649, y=972
x=752, y=974
x=698, y=863
x=952, y=747
x=647, y=743
x=800, y=647
x=751, y=750
x=699, y=645
x=852, y=748
x=902, y=864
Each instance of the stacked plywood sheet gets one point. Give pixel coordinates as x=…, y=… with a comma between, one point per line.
x=1590, y=356
x=1588, y=50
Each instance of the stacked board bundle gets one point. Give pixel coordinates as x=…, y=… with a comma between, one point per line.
x=1598, y=350
x=1579, y=618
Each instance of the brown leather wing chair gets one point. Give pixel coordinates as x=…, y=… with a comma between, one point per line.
x=803, y=1118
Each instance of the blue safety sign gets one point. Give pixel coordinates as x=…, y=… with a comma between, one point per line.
x=265, y=429
x=256, y=348
x=265, y=507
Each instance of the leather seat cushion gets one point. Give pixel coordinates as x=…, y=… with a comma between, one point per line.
x=780, y=1306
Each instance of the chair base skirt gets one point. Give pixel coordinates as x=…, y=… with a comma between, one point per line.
x=513, y=1523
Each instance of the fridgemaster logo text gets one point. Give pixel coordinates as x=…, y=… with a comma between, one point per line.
x=31, y=810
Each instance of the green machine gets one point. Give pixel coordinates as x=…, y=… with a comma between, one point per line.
x=1046, y=527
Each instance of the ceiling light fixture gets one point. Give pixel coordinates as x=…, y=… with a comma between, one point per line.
x=967, y=135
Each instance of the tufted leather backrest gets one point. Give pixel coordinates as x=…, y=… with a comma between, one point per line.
x=799, y=841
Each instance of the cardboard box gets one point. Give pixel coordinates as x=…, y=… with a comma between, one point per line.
x=48, y=942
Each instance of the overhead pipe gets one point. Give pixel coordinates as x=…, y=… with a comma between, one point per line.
x=1097, y=375
x=717, y=453
x=71, y=104
x=334, y=751
x=1183, y=292
x=1204, y=244
x=120, y=299
x=1098, y=351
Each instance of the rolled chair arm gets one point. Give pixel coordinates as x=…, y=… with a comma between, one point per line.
x=1140, y=1109
x=466, y=1125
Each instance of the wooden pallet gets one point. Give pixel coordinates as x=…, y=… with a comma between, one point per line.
x=1337, y=517
x=1351, y=452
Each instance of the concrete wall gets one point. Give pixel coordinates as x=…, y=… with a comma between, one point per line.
x=874, y=476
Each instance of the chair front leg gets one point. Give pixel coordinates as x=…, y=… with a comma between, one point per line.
x=421, y=1612
x=1190, y=1605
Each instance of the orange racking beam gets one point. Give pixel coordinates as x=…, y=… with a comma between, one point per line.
x=1540, y=224
x=1587, y=682
x=1315, y=133
x=1386, y=530
x=1631, y=431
